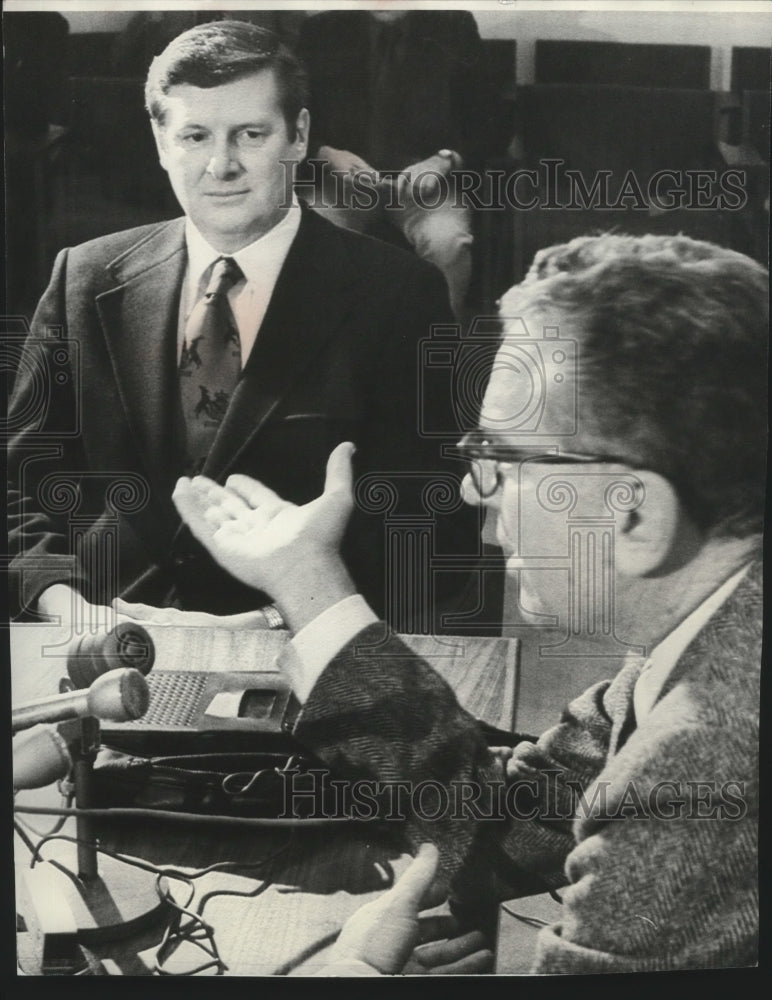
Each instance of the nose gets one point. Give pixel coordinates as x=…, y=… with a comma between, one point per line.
x=471, y=494
x=224, y=162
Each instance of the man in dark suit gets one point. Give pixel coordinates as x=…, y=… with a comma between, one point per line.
x=641, y=805
x=325, y=328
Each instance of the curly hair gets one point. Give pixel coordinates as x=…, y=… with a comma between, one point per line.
x=673, y=336
x=219, y=52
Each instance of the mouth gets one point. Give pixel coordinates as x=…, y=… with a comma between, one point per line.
x=226, y=195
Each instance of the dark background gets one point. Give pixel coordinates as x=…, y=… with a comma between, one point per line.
x=81, y=162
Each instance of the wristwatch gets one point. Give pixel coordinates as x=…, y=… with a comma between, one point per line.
x=273, y=616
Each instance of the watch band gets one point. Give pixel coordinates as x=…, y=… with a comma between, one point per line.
x=273, y=616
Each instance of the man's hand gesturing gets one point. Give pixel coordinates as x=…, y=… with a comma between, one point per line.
x=290, y=552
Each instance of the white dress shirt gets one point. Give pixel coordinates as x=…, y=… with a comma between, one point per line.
x=305, y=657
x=667, y=653
x=260, y=263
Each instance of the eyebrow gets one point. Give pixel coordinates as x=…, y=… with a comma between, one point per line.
x=232, y=128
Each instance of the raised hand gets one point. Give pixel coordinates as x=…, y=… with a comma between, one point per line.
x=420, y=180
x=384, y=932
x=291, y=552
x=390, y=935
x=345, y=162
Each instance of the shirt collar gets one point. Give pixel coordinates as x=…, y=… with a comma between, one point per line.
x=667, y=653
x=269, y=249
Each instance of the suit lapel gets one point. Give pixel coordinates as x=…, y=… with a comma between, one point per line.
x=618, y=702
x=306, y=309
x=139, y=317
x=729, y=634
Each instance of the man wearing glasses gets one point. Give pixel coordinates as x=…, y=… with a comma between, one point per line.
x=641, y=804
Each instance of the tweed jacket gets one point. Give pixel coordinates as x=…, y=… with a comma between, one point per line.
x=650, y=830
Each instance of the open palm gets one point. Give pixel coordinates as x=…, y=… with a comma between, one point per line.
x=258, y=537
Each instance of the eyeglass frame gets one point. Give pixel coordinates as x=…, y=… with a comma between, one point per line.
x=475, y=446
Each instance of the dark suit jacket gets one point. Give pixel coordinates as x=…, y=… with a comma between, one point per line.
x=96, y=451
x=441, y=95
x=657, y=862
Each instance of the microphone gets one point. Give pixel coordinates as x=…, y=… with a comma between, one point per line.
x=40, y=756
x=118, y=696
x=125, y=645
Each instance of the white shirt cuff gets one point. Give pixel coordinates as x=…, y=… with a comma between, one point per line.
x=305, y=657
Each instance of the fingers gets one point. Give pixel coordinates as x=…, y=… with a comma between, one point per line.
x=205, y=506
x=91, y=617
x=193, y=497
x=411, y=888
x=436, y=893
x=191, y=501
x=135, y=611
x=226, y=504
x=453, y=949
x=173, y=616
x=470, y=965
x=219, y=502
x=437, y=927
x=149, y=615
x=340, y=475
x=251, y=491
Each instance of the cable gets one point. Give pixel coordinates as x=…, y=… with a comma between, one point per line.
x=195, y=931
x=20, y=831
x=231, y=892
x=525, y=918
x=175, y=873
x=197, y=819
x=177, y=933
x=67, y=797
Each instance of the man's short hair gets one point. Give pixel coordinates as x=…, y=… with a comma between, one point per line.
x=673, y=336
x=219, y=52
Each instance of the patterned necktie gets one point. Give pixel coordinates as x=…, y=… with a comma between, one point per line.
x=210, y=364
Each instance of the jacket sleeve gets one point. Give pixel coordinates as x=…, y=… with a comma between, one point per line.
x=44, y=425
x=378, y=713
x=654, y=846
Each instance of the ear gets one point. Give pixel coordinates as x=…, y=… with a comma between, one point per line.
x=302, y=128
x=159, y=135
x=657, y=535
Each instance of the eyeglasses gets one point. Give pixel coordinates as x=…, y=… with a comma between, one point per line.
x=486, y=456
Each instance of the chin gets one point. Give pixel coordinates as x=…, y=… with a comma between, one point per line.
x=533, y=603
x=542, y=596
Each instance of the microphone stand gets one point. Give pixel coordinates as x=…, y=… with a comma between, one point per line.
x=71, y=898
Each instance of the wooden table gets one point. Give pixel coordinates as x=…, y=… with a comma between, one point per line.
x=321, y=875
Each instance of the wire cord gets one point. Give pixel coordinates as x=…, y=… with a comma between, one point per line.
x=185, y=926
